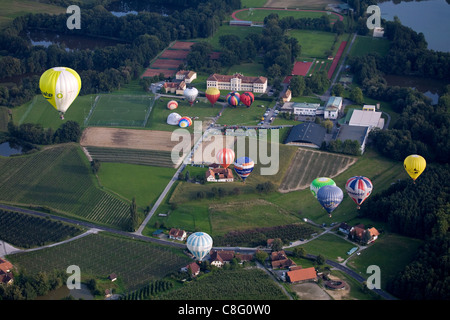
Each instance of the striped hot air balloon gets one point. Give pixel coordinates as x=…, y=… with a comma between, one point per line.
x=225, y=157
x=185, y=122
x=172, y=104
x=319, y=183
x=330, y=197
x=199, y=244
x=243, y=167
x=233, y=98
x=359, y=188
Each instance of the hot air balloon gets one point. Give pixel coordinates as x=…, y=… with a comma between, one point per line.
x=359, y=188
x=330, y=197
x=247, y=98
x=243, y=167
x=172, y=104
x=212, y=94
x=185, y=122
x=319, y=183
x=173, y=119
x=190, y=94
x=60, y=86
x=199, y=244
x=225, y=157
x=233, y=98
x=414, y=165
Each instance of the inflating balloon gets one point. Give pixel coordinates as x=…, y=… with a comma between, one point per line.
x=60, y=87
x=172, y=104
x=199, y=244
x=233, y=98
x=414, y=165
x=173, y=119
x=212, y=94
x=247, y=98
x=359, y=188
x=190, y=94
x=185, y=122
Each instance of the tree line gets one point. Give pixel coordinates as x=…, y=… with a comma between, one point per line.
x=105, y=69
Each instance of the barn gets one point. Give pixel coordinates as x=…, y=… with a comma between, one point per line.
x=307, y=134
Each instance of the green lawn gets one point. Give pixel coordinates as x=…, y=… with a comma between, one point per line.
x=258, y=15
x=366, y=44
x=391, y=252
x=329, y=245
x=244, y=116
x=130, y=180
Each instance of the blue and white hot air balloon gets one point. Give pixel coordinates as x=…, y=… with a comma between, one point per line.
x=330, y=197
x=199, y=244
x=243, y=167
x=359, y=188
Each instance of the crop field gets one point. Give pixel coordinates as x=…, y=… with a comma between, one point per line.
x=98, y=255
x=309, y=164
x=26, y=231
x=60, y=178
x=120, y=110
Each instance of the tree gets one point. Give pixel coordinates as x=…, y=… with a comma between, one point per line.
x=356, y=95
x=297, y=86
x=95, y=165
x=134, y=219
x=337, y=90
x=277, y=245
x=299, y=252
x=261, y=256
x=320, y=259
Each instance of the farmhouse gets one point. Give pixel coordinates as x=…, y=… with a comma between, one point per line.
x=359, y=233
x=186, y=75
x=175, y=87
x=306, y=134
x=302, y=275
x=6, y=276
x=219, y=175
x=177, y=234
x=344, y=228
x=280, y=260
x=219, y=258
x=193, y=268
x=237, y=82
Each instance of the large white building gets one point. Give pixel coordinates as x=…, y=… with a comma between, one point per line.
x=237, y=82
x=332, y=108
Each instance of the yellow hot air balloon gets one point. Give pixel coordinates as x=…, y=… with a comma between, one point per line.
x=414, y=165
x=60, y=86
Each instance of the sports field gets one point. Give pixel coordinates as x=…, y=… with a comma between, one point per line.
x=120, y=111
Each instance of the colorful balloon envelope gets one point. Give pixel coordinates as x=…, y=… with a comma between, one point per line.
x=185, y=122
x=319, y=183
x=225, y=157
x=414, y=165
x=199, y=244
x=190, y=94
x=247, y=98
x=60, y=87
x=233, y=98
x=212, y=94
x=359, y=188
x=243, y=167
x=172, y=105
x=330, y=197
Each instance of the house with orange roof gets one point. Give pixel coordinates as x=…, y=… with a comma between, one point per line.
x=6, y=276
x=302, y=275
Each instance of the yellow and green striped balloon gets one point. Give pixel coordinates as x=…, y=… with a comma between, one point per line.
x=60, y=86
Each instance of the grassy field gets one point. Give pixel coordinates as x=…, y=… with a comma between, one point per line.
x=13, y=9
x=134, y=262
x=366, y=44
x=329, y=245
x=60, y=178
x=130, y=180
x=390, y=252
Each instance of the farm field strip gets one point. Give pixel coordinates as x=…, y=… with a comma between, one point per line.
x=308, y=165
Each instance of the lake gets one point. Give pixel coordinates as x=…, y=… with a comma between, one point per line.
x=8, y=149
x=430, y=17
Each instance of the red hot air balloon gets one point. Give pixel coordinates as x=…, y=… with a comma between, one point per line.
x=225, y=157
x=212, y=94
x=247, y=98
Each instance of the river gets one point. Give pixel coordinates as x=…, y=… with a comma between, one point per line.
x=431, y=17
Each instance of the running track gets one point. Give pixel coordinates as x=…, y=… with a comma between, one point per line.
x=336, y=58
x=341, y=18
